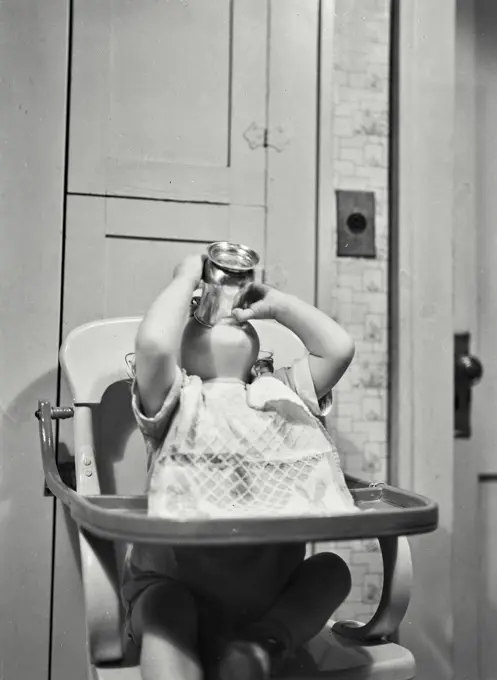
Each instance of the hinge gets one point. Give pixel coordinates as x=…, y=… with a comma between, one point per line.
x=276, y=138
x=256, y=136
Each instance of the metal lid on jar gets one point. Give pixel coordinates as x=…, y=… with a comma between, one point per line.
x=233, y=257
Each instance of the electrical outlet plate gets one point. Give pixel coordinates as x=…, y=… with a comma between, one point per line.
x=356, y=224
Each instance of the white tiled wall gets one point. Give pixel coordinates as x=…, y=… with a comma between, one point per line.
x=360, y=126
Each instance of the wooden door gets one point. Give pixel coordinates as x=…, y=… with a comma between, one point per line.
x=447, y=284
x=475, y=283
x=166, y=154
x=168, y=151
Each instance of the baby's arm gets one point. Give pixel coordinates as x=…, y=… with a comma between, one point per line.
x=159, y=335
x=330, y=347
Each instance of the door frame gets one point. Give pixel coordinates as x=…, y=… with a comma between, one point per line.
x=422, y=195
x=466, y=285
x=422, y=321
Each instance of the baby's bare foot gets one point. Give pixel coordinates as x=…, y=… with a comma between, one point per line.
x=252, y=658
x=245, y=660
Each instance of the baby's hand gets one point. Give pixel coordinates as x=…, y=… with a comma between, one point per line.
x=191, y=268
x=257, y=301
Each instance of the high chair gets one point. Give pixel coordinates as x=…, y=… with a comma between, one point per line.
x=109, y=508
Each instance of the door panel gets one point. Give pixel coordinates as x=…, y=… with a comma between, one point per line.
x=120, y=252
x=163, y=97
x=475, y=289
x=169, y=62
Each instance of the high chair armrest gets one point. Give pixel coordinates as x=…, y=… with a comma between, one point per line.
x=53, y=480
x=397, y=579
x=102, y=605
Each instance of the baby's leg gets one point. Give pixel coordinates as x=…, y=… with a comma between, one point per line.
x=165, y=624
x=317, y=588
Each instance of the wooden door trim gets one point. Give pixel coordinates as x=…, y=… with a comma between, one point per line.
x=291, y=164
x=421, y=441
x=33, y=53
x=466, y=537
x=326, y=207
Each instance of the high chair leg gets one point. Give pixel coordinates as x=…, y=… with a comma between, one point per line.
x=102, y=604
x=397, y=578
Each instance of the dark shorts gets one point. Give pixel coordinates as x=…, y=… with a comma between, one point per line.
x=230, y=592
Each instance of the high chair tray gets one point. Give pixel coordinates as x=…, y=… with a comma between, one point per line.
x=387, y=511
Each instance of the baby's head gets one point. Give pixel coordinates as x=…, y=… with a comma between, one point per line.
x=226, y=350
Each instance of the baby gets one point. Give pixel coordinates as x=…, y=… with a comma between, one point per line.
x=233, y=612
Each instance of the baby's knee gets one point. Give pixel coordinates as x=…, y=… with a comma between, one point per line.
x=330, y=568
x=167, y=606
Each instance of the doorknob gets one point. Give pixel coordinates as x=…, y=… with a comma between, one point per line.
x=470, y=368
x=468, y=371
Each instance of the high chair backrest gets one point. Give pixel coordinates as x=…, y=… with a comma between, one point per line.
x=94, y=362
x=93, y=356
